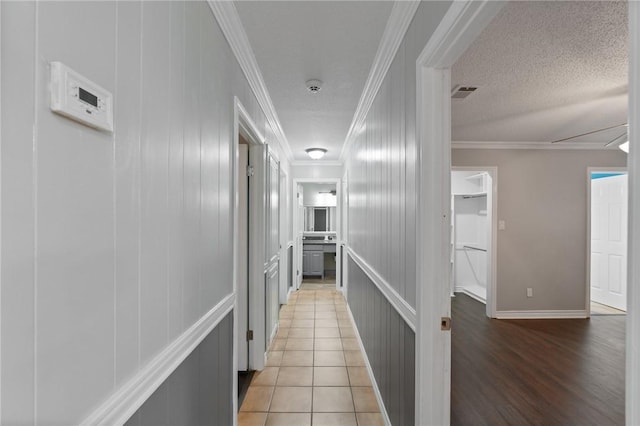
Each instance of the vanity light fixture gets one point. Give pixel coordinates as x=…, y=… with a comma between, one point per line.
x=316, y=153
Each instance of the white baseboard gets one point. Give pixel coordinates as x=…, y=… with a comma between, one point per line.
x=290, y=292
x=383, y=409
x=129, y=398
x=470, y=294
x=542, y=314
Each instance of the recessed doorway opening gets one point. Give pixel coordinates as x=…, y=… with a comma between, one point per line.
x=473, y=237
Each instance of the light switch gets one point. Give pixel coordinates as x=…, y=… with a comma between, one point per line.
x=502, y=225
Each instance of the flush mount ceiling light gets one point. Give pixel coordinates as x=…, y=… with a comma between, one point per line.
x=316, y=153
x=314, y=86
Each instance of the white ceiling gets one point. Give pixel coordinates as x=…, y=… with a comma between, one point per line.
x=545, y=71
x=333, y=41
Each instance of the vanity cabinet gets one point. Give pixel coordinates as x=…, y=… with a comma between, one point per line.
x=313, y=259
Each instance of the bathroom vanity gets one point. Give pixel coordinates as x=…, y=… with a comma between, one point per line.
x=318, y=256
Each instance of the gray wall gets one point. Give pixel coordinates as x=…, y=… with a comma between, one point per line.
x=389, y=343
x=542, y=196
x=113, y=243
x=199, y=391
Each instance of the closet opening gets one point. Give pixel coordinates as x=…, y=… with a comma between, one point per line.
x=473, y=234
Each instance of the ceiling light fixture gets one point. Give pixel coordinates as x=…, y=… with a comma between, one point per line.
x=624, y=146
x=316, y=153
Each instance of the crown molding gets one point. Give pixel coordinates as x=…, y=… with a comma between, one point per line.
x=314, y=163
x=227, y=16
x=394, y=32
x=530, y=145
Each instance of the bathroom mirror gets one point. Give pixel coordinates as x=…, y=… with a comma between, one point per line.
x=320, y=219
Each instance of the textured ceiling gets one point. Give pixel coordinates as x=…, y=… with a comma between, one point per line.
x=333, y=41
x=545, y=71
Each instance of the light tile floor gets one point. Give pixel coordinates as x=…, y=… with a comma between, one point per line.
x=315, y=373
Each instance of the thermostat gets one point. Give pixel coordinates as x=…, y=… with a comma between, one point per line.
x=80, y=99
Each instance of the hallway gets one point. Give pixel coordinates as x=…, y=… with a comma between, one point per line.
x=315, y=372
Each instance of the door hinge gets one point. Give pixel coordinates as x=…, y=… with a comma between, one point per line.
x=250, y=170
x=445, y=323
x=249, y=335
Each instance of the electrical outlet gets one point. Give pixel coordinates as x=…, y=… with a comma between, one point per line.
x=529, y=292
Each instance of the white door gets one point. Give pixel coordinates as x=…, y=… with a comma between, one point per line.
x=609, y=241
x=298, y=233
x=242, y=265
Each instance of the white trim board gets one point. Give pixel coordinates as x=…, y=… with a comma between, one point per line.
x=227, y=16
x=130, y=397
x=466, y=292
x=542, y=314
x=530, y=145
x=401, y=15
x=374, y=384
x=401, y=306
x=632, y=381
x=460, y=26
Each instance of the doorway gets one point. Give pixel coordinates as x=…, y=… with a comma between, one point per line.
x=473, y=234
x=317, y=225
x=608, y=213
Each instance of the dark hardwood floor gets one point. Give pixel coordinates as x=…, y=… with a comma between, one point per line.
x=535, y=372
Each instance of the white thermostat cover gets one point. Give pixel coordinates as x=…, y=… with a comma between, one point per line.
x=80, y=99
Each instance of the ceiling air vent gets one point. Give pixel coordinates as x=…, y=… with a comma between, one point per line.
x=461, y=92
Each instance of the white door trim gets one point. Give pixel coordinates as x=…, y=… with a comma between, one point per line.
x=460, y=26
x=633, y=266
x=244, y=124
x=492, y=285
x=297, y=248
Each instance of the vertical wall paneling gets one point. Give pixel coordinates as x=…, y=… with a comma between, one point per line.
x=389, y=344
x=175, y=264
x=382, y=168
x=127, y=188
x=74, y=220
x=154, y=146
x=18, y=214
x=119, y=241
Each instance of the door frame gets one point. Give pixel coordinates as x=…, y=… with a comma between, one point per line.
x=460, y=26
x=297, y=248
x=591, y=170
x=493, y=248
x=244, y=124
x=633, y=268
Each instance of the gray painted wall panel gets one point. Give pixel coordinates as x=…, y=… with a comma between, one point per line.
x=199, y=391
x=389, y=344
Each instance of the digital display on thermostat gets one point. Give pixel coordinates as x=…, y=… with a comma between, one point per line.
x=89, y=98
